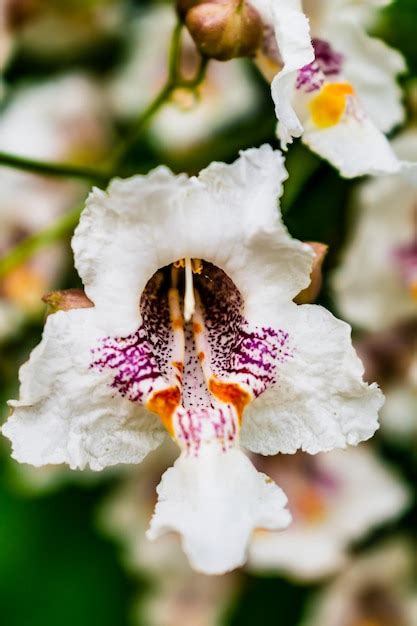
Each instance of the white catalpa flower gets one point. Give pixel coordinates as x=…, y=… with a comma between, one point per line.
x=225, y=95
x=384, y=241
x=32, y=125
x=329, y=499
x=376, y=590
x=334, y=85
x=234, y=360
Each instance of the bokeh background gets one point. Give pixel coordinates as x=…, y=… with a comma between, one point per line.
x=78, y=71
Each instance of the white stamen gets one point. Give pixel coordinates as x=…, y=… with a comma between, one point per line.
x=189, y=300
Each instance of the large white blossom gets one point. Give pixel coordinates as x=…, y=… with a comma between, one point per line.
x=334, y=85
x=329, y=499
x=226, y=94
x=243, y=364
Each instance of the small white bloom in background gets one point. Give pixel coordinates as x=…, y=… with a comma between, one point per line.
x=384, y=243
x=193, y=281
x=61, y=120
x=177, y=595
x=334, y=85
x=390, y=357
x=376, y=287
x=335, y=499
x=226, y=94
x=375, y=590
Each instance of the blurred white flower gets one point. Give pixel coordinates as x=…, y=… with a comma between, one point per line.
x=376, y=590
x=338, y=90
x=335, y=499
x=242, y=357
x=376, y=282
x=226, y=94
x=390, y=357
x=60, y=120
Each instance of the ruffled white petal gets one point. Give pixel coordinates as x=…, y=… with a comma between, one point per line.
x=227, y=216
x=320, y=400
x=68, y=412
x=215, y=501
x=315, y=548
x=294, y=42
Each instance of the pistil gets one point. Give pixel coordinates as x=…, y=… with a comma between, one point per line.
x=189, y=299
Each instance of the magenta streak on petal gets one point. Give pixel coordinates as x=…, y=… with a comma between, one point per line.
x=252, y=354
x=202, y=425
x=327, y=63
x=131, y=357
x=258, y=355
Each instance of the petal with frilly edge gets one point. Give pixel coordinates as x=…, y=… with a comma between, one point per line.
x=215, y=501
x=294, y=42
x=227, y=216
x=68, y=412
x=320, y=400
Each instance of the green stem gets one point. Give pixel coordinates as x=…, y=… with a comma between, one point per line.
x=53, y=169
x=126, y=145
x=26, y=248
x=174, y=53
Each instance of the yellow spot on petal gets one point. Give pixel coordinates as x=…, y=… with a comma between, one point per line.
x=328, y=108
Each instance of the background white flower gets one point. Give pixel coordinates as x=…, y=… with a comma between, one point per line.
x=60, y=120
x=335, y=499
x=377, y=588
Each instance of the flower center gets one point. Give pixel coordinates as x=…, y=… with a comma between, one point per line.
x=194, y=361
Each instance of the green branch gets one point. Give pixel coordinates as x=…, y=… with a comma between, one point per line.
x=52, y=169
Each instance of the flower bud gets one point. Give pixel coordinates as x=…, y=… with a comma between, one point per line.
x=225, y=29
x=311, y=292
x=66, y=300
x=185, y=5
